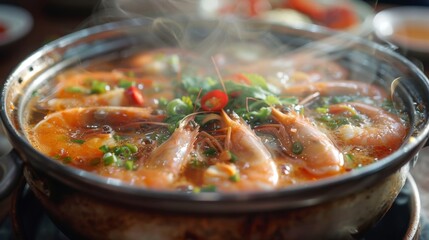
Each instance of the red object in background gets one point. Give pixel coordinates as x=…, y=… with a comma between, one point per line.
x=335, y=16
x=253, y=7
x=310, y=8
x=340, y=17
x=3, y=29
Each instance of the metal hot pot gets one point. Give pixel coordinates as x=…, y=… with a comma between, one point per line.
x=88, y=206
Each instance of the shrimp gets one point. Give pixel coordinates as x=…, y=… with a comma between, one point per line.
x=165, y=60
x=381, y=129
x=313, y=147
x=338, y=87
x=165, y=164
x=111, y=98
x=84, y=89
x=253, y=168
x=287, y=69
x=75, y=135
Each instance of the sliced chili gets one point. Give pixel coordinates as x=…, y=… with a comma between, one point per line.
x=134, y=95
x=214, y=100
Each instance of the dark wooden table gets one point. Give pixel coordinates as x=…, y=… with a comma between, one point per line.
x=50, y=22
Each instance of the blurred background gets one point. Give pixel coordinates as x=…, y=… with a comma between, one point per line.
x=51, y=19
x=27, y=25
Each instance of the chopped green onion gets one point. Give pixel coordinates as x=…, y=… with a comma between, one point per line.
x=121, y=150
x=322, y=110
x=123, y=83
x=188, y=101
x=129, y=165
x=133, y=148
x=109, y=158
x=104, y=149
x=78, y=141
x=210, y=152
x=177, y=106
x=98, y=87
x=117, y=137
x=231, y=156
x=235, y=178
x=297, y=147
x=73, y=89
x=349, y=157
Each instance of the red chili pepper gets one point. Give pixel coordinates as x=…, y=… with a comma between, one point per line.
x=134, y=95
x=214, y=100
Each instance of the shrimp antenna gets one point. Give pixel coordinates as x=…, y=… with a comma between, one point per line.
x=197, y=99
x=218, y=74
x=393, y=86
x=247, y=102
x=196, y=113
x=309, y=98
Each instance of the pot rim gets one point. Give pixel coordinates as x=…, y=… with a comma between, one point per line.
x=300, y=195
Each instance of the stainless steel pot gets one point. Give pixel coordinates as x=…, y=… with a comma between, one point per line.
x=85, y=205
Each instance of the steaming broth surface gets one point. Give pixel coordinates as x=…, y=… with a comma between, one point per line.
x=166, y=120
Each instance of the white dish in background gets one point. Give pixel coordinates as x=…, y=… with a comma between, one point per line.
x=16, y=21
x=405, y=27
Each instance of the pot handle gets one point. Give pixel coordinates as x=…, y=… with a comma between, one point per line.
x=10, y=173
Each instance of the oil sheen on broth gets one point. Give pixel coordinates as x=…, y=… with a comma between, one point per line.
x=165, y=120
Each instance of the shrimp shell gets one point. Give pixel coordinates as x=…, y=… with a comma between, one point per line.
x=53, y=135
x=164, y=165
x=386, y=129
x=320, y=155
x=255, y=165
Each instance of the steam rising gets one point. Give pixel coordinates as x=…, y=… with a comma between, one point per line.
x=176, y=23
